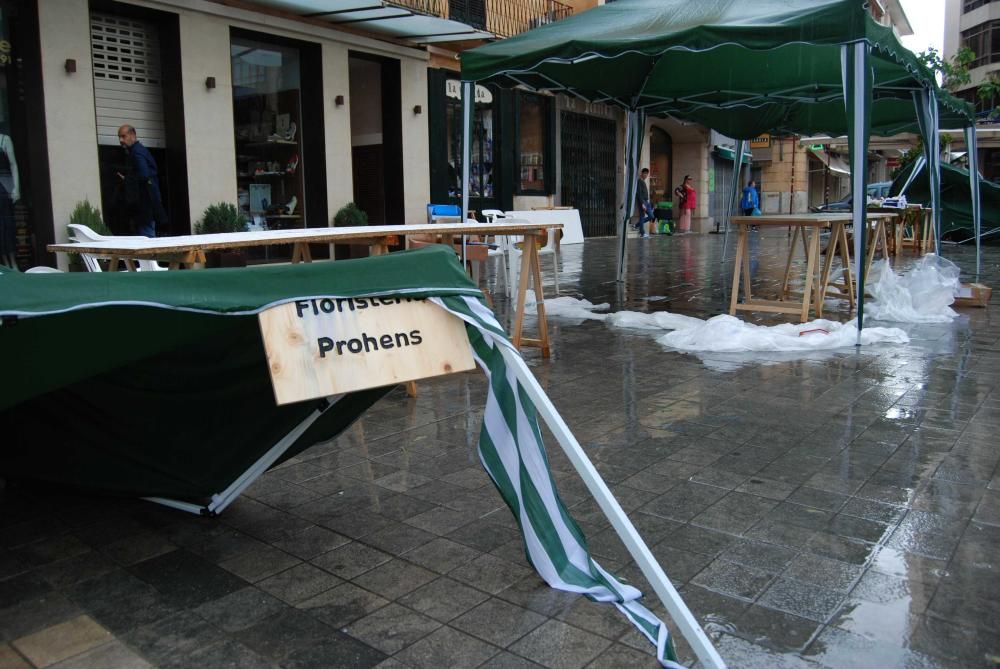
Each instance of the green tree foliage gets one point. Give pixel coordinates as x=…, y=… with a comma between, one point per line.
x=955, y=74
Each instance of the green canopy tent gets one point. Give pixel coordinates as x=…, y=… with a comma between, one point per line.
x=957, y=198
x=156, y=384
x=803, y=66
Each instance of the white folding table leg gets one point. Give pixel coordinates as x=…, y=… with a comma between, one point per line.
x=678, y=610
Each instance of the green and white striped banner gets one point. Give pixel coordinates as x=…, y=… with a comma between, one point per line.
x=511, y=449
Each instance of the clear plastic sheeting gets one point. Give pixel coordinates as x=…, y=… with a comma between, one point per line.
x=658, y=320
x=725, y=334
x=921, y=295
x=728, y=334
x=568, y=308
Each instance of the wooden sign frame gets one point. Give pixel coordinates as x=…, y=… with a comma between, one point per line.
x=327, y=346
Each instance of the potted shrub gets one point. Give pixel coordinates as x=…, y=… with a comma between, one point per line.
x=350, y=215
x=222, y=217
x=85, y=214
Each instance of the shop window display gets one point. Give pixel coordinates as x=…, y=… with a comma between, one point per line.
x=481, y=168
x=268, y=121
x=532, y=124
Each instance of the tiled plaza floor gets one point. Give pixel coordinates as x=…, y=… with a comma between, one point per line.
x=825, y=510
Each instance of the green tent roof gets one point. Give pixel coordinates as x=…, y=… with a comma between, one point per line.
x=740, y=67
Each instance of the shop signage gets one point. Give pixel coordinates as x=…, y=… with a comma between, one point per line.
x=323, y=347
x=5, y=49
x=761, y=142
x=453, y=89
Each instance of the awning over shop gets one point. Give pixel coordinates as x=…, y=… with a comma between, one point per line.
x=832, y=160
x=728, y=153
x=380, y=17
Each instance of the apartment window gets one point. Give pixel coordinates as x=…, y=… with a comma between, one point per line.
x=534, y=117
x=984, y=41
x=969, y=5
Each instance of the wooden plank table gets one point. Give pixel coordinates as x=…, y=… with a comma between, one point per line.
x=189, y=251
x=817, y=282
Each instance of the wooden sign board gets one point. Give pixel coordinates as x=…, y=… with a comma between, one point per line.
x=323, y=347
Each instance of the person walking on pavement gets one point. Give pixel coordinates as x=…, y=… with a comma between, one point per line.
x=750, y=199
x=642, y=203
x=140, y=184
x=687, y=201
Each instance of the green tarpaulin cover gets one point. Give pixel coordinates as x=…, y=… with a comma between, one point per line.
x=156, y=383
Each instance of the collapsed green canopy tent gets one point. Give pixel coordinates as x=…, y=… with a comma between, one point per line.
x=156, y=384
x=956, y=198
x=741, y=68
x=124, y=359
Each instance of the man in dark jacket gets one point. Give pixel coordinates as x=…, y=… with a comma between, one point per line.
x=142, y=188
x=642, y=203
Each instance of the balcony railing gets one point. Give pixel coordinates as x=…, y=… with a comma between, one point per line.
x=503, y=18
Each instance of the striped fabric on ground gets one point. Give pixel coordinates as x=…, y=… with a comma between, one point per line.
x=511, y=449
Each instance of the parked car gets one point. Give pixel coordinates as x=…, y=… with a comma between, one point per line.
x=876, y=191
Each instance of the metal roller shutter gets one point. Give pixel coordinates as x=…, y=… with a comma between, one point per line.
x=127, y=82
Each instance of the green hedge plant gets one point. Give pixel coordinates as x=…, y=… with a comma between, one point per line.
x=221, y=217
x=87, y=214
x=350, y=215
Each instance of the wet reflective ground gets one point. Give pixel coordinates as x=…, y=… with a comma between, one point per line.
x=836, y=509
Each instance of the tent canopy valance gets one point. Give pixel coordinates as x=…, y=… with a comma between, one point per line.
x=740, y=68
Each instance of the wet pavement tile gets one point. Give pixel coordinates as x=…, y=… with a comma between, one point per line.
x=822, y=510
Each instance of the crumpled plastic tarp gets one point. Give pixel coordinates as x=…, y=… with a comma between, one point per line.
x=725, y=334
x=728, y=334
x=568, y=307
x=921, y=295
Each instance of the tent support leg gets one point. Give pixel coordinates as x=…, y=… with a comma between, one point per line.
x=223, y=499
x=675, y=606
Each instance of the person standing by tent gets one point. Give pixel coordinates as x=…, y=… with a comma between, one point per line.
x=642, y=204
x=687, y=200
x=141, y=186
x=750, y=199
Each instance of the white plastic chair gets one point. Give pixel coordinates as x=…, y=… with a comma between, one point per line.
x=502, y=245
x=551, y=248
x=82, y=233
x=42, y=269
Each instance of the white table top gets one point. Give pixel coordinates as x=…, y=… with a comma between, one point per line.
x=145, y=247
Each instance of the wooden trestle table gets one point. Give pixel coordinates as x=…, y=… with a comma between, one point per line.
x=188, y=251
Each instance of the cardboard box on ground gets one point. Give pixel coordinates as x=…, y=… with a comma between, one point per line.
x=973, y=295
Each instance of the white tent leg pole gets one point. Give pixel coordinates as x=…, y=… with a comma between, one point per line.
x=678, y=610
x=973, y=153
x=467, y=105
x=632, y=134
x=935, y=167
x=741, y=145
x=857, y=94
x=223, y=499
x=918, y=165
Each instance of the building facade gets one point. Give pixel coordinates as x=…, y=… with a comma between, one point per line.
x=283, y=112
x=976, y=24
